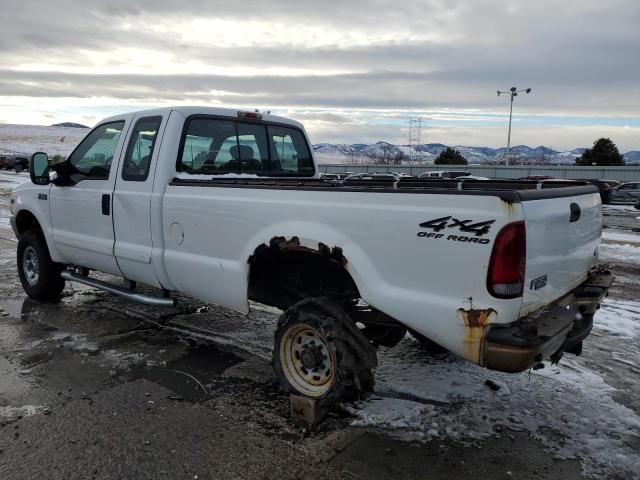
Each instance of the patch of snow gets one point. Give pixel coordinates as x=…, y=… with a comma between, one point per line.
x=618, y=207
x=445, y=397
x=11, y=179
x=76, y=342
x=13, y=413
x=619, y=317
x=198, y=176
x=620, y=253
x=25, y=140
x=629, y=238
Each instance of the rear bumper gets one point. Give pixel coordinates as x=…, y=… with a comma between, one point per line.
x=547, y=334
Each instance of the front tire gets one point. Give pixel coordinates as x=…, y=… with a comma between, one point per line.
x=39, y=275
x=320, y=353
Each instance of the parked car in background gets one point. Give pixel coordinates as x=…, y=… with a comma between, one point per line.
x=330, y=176
x=20, y=164
x=402, y=175
x=626, y=193
x=14, y=163
x=381, y=177
x=444, y=174
x=472, y=177
x=537, y=178
x=605, y=187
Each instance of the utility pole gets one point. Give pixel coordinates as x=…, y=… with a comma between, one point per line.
x=513, y=92
x=415, y=134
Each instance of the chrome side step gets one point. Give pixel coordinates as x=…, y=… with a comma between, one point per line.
x=118, y=290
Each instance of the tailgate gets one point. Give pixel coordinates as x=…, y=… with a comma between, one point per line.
x=563, y=235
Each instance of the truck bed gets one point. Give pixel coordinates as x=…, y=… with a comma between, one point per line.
x=507, y=190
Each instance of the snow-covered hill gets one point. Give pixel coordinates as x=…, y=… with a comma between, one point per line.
x=28, y=139
x=55, y=140
x=387, y=152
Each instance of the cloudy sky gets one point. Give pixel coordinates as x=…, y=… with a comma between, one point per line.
x=352, y=71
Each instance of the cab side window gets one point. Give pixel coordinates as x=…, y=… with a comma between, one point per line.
x=212, y=146
x=289, y=151
x=92, y=159
x=140, y=149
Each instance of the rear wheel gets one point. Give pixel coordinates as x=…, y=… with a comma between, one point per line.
x=320, y=353
x=39, y=275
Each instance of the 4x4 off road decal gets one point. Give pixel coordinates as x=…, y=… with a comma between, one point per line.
x=475, y=230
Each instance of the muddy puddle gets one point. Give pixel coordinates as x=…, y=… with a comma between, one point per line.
x=189, y=376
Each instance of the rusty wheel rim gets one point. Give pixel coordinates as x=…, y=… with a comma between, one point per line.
x=307, y=360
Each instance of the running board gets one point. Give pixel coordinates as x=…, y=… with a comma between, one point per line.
x=118, y=290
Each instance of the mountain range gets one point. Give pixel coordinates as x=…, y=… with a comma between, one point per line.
x=427, y=153
x=69, y=125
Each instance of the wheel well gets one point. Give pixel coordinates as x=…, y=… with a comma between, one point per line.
x=284, y=272
x=26, y=221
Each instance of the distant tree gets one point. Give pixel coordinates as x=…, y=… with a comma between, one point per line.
x=603, y=152
x=450, y=156
x=399, y=158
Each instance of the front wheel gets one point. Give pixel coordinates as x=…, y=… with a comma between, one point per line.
x=320, y=353
x=39, y=275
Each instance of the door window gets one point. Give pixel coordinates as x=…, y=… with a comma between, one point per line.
x=92, y=159
x=140, y=149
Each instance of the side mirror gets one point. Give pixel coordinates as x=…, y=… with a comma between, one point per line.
x=39, y=168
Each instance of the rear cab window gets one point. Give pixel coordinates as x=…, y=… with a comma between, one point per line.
x=218, y=146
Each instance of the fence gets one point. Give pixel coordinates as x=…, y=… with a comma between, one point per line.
x=572, y=172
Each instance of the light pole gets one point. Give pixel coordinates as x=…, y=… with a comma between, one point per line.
x=513, y=92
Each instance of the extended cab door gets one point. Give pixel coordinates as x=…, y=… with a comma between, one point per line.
x=81, y=204
x=132, y=199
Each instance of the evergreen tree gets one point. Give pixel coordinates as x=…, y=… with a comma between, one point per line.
x=450, y=156
x=603, y=152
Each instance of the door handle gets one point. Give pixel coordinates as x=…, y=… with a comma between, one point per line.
x=106, y=204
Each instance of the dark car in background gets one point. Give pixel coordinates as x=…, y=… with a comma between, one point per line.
x=359, y=178
x=626, y=193
x=14, y=163
x=605, y=187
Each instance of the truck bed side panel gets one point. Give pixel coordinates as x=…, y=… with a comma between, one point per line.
x=411, y=256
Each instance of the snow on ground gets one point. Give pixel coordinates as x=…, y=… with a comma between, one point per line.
x=570, y=408
x=627, y=238
x=28, y=139
x=620, y=253
x=9, y=179
x=619, y=317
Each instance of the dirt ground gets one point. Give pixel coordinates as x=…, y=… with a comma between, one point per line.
x=97, y=387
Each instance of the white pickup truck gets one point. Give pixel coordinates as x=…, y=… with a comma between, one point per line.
x=228, y=206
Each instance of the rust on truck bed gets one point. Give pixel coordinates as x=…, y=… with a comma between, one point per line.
x=293, y=244
x=475, y=322
x=287, y=271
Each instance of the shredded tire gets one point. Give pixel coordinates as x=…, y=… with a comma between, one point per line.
x=354, y=354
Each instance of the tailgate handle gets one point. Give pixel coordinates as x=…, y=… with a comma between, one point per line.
x=575, y=212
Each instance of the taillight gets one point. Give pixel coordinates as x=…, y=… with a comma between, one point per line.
x=505, y=278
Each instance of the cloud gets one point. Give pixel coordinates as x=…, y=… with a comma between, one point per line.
x=580, y=56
